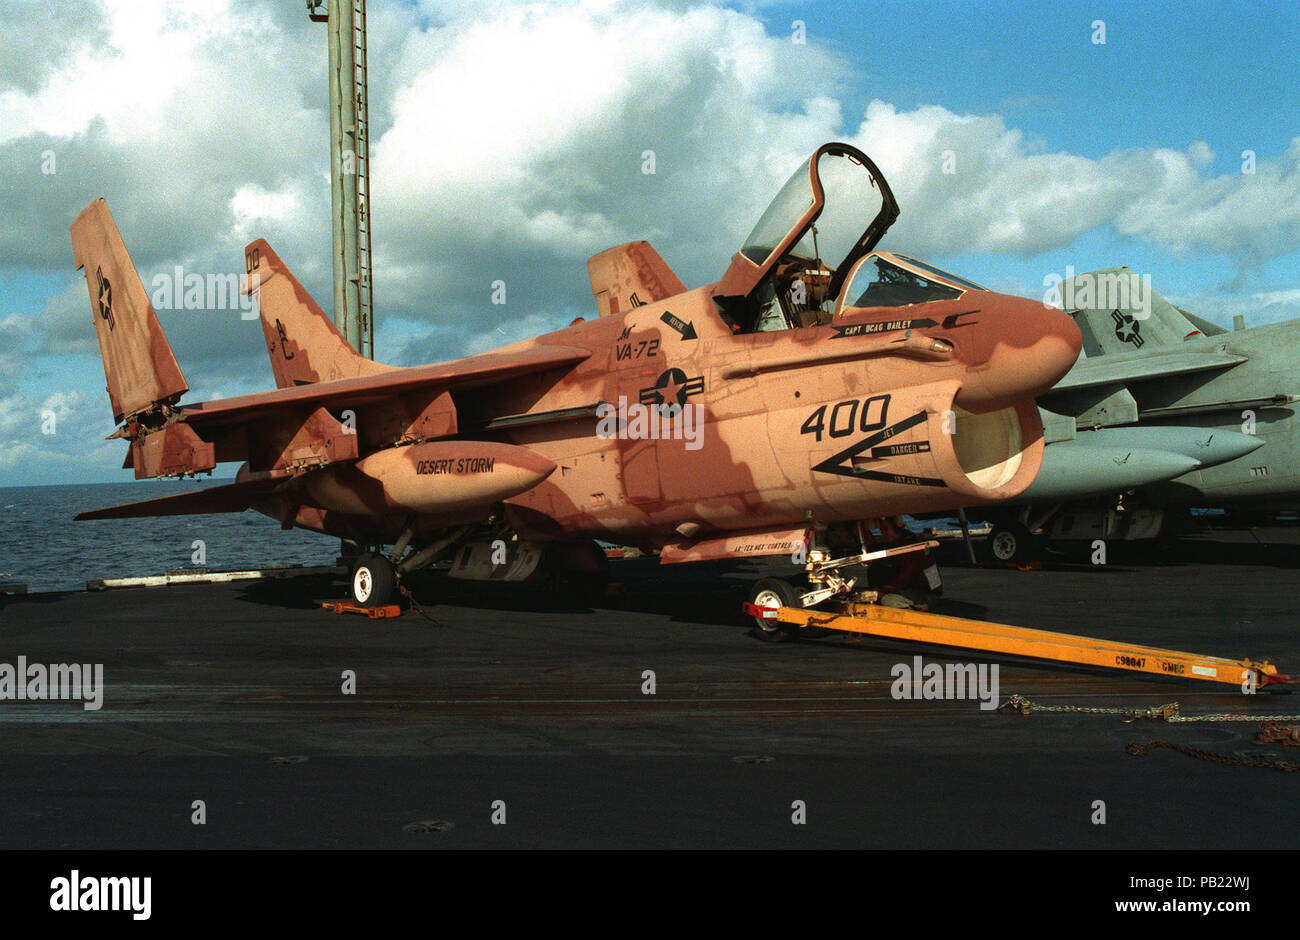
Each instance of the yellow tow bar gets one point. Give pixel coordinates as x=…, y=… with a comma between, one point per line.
x=922, y=627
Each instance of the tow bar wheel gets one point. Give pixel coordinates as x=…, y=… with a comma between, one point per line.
x=374, y=582
x=773, y=593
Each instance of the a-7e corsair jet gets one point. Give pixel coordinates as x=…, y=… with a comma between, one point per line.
x=818, y=384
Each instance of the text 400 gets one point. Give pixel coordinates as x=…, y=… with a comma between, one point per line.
x=870, y=414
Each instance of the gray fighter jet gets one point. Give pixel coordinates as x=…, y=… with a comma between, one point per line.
x=1164, y=411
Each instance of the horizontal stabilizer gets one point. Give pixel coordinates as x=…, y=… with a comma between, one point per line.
x=233, y=497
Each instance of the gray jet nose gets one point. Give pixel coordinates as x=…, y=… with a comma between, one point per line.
x=1209, y=447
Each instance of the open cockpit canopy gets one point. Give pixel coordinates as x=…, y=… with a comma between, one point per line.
x=808, y=238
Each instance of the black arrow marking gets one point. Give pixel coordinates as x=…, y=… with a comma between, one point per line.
x=839, y=463
x=950, y=321
x=900, y=450
x=687, y=330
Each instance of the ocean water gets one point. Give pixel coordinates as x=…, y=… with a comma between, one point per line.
x=42, y=547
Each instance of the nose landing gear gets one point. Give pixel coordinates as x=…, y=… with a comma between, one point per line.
x=766, y=597
x=825, y=582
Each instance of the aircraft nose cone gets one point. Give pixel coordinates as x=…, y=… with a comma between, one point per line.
x=1222, y=446
x=1057, y=345
x=1026, y=348
x=1209, y=447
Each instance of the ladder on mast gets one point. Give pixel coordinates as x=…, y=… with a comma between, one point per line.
x=362, y=140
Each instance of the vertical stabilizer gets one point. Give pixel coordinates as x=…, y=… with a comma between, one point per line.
x=1117, y=311
x=304, y=345
x=139, y=367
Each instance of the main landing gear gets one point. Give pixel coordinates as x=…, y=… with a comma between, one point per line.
x=1011, y=542
x=374, y=581
x=375, y=578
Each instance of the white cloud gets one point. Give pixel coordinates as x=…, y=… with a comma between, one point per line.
x=1220, y=303
x=1008, y=196
x=168, y=108
x=28, y=436
x=1268, y=298
x=152, y=52
x=508, y=143
x=255, y=207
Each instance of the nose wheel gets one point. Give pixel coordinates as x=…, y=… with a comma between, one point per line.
x=374, y=581
x=770, y=594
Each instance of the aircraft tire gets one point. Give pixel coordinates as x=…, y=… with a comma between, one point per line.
x=764, y=593
x=1010, y=542
x=374, y=581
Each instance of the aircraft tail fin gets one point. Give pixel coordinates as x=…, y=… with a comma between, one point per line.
x=139, y=368
x=304, y=345
x=630, y=275
x=1117, y=311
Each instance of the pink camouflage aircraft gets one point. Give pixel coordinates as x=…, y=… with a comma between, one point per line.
x=818, y=385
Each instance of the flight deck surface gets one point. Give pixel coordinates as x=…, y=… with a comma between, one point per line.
x=232, y=694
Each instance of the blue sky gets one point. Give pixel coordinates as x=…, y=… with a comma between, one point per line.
x=1070, y=154
x=1168, y=74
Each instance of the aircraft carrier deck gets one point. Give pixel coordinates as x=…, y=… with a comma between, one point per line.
x=231, y=694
